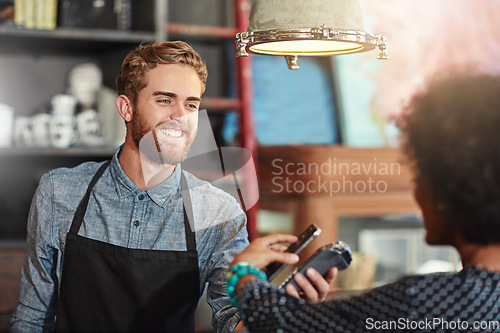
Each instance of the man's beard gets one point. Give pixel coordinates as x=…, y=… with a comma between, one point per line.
x=146, y=139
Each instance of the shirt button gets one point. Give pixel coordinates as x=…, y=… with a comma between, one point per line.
x=141, y=197
x=136, y=223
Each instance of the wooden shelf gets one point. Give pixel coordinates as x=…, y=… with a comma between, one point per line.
x=72, y=151
x=103, y=35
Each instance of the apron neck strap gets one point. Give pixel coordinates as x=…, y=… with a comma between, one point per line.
x=186, y=198
x=82, y=206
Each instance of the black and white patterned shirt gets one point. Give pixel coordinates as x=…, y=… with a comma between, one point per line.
x=466, y=301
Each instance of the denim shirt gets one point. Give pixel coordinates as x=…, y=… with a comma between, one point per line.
x=122, y=214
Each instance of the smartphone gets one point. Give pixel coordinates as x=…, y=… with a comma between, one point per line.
x=337, y=254
x=304, y=239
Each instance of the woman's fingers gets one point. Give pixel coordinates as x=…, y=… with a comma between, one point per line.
x=332, y=275
x=309, y=291
x=292, y=291
x=315, y=287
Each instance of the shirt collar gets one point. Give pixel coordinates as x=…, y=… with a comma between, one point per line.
x=159, y=194
x=163, y=192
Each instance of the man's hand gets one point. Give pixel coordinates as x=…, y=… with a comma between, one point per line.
x=265, y=250
x=315, y=290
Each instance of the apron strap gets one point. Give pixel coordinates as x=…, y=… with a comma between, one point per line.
x=190, y=235
x=82, y=206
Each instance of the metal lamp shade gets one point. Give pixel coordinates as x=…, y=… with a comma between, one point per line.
x=295, y=28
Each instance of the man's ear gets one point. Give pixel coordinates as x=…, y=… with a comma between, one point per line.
x=124, y=106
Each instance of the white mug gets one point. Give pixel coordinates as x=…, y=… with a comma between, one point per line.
x=63, y=104
x=23, y=135
x=89, y=128
x=62, y=131
x=40, y=129
x=6, y=125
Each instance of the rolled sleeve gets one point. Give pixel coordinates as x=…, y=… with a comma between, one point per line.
x=35, y=311
x=233, y=239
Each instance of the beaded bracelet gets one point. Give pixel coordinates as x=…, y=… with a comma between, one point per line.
x=238, y=271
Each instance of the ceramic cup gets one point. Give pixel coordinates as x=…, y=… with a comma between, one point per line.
x=23, y=135
x=89, y=128
x=40, y=129
x=6, y=125
x=62, y=131
x=63, y=104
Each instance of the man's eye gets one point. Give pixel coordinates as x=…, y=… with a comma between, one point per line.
x=164, y=101
x=193, y=106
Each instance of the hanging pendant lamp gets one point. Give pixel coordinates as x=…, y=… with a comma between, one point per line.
x=294, y=28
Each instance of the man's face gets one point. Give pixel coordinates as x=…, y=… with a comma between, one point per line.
x=165, y=118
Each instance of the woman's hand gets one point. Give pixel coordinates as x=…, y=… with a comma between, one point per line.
x=265, y=250
x=316, y=288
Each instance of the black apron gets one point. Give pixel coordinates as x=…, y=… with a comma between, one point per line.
x=109, y=288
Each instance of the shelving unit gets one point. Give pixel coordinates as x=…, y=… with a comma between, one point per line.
x=34, y=65
x=30, y=56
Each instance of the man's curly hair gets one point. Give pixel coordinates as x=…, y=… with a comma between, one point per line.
x=138, y=62
x=451, y=135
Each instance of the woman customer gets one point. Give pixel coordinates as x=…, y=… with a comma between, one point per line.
x=451, y=137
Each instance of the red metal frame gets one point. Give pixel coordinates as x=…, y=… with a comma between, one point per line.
x=245, y=93
x=220, y=103
x=201, y=30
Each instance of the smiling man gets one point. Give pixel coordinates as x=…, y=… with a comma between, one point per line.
x=163, y=121
x=110, y=247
